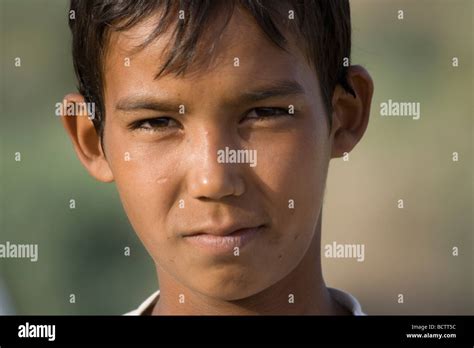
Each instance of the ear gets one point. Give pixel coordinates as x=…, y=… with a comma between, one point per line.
x=351, y=115
x=84, y=137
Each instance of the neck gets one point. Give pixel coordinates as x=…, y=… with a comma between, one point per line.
x=306, y=283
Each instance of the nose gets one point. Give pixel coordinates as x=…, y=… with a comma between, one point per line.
x=207, y=178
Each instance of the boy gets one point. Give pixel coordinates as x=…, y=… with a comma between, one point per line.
x=217, y=121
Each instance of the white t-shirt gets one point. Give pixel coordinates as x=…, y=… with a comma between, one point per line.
x=343, y=298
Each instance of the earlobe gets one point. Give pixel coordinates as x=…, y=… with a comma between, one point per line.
x=84, y=137
x=351, y=115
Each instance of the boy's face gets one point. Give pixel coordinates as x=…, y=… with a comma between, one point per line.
x=168, y=174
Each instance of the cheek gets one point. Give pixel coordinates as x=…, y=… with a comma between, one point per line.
x=146, y=181
x=293, y=173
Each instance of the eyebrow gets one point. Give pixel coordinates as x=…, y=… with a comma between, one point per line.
x=282, y=88
x=276, y=89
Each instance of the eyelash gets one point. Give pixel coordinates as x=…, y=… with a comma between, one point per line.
x=284, y=112
x=138, y=125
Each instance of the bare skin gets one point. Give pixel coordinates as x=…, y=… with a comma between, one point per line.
x=172, y=160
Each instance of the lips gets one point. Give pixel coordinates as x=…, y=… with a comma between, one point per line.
x=221, y=231
x=222, y=240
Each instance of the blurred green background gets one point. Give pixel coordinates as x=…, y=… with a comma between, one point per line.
x=407, y=251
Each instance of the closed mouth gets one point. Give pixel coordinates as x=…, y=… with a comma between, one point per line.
x=225, y=241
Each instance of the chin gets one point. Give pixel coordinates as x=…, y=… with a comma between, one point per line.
x=231, y=286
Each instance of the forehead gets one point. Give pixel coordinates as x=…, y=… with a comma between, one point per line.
x=242, y=56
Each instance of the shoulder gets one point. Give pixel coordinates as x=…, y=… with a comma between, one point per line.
x=346, y=300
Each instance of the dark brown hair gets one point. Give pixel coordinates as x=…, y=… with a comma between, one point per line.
x=321, y=27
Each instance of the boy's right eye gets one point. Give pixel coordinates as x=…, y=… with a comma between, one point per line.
x=154, y=124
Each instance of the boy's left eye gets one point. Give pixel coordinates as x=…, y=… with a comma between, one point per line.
x=264, y=112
